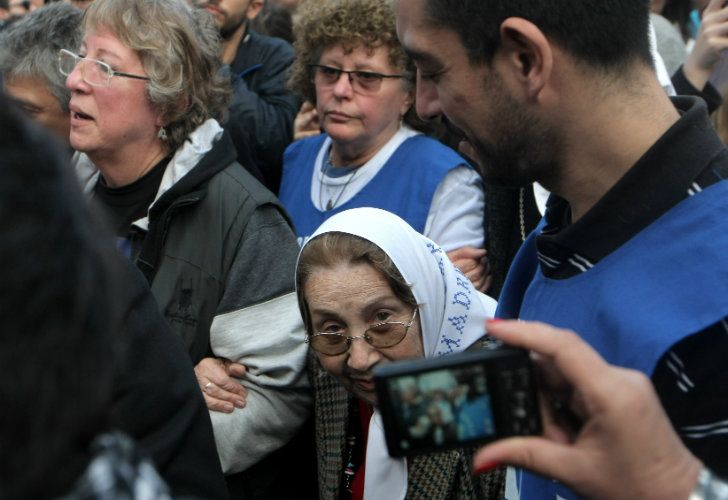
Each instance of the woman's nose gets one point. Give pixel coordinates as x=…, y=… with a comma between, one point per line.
x=74, y=81
x=361, y=355
x=427, y=102
x=344, y=85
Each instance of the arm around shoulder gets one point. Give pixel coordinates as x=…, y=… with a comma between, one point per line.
x=259, y=326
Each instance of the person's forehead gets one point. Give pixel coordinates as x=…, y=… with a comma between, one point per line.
x=346, y=284
x=358, y=55
x=347, y=272
x=410, y=15
x=417, y=33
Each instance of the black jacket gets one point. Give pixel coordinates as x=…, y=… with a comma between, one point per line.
x=263, y=108
x=220, y=256
x=157, y=400
x=503, y=228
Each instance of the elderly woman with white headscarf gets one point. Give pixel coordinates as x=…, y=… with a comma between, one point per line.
x=366, y=270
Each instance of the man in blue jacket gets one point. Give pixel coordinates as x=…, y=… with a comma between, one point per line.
x=631, y=252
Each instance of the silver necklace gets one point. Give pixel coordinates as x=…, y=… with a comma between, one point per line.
x=332, y=202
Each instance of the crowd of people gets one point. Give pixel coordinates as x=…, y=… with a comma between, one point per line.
x=219, y=217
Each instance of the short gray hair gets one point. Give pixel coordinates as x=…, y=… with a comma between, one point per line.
x=29, y=47
x=179, y=48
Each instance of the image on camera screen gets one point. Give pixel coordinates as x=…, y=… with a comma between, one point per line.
x=441, y=407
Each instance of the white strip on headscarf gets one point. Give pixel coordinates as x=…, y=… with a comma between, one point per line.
x=452, y=317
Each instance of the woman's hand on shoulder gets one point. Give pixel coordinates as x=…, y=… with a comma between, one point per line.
x=218, y=380
x=307, y=123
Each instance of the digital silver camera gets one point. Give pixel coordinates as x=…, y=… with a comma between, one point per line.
x=458, y=400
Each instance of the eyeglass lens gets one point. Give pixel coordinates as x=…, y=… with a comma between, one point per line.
x=380, y=336
x=362, y=82
x=93, y=72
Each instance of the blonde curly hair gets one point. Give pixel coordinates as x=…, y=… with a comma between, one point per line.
x=322, y=24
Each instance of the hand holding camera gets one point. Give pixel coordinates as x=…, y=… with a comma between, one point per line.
x=462, y=399
x=625, y=446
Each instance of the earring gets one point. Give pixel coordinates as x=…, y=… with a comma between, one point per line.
x=162, y=134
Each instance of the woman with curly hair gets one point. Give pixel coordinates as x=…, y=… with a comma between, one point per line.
x=214, y=244
x=360, y=83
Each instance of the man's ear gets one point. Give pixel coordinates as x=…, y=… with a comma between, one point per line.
x=254, y=9
x=527, y=53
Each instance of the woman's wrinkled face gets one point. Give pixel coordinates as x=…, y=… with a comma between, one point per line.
x=353, y=119
x=349, y=298
x=107, y=120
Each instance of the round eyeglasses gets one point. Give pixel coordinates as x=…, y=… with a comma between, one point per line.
x=382, y=335
x=93, y=71
x=362, y=82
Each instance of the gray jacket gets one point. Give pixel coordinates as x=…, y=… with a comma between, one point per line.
x=220, y=256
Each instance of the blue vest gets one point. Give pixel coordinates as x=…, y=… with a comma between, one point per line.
x=404, y=186
x=666, y=283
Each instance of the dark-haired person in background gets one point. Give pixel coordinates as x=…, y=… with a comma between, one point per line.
x=171, y=426
x=262, y=110
x=60, y=334
x=632, y=252
x=275, y=21
x=84, y=353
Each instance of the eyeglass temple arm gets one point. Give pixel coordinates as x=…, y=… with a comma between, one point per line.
x=129, y=75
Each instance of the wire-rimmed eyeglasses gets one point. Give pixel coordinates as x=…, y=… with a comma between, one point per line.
x=382, y=335
x=362, y=82
x=93, y=71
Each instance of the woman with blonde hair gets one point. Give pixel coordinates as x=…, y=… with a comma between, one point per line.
x=216, y=247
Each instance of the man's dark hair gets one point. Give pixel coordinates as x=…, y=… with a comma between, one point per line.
x=605, y=34
x=58, y=315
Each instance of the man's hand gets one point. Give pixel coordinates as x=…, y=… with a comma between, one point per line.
x=307, y=123
x=710, y=43
x=625, y=446
x=473, y=263
x=222, y=392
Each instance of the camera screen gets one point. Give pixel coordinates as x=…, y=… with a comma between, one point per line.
x=442, y=406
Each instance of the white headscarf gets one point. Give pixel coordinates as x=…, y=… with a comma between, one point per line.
x=452, y=317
